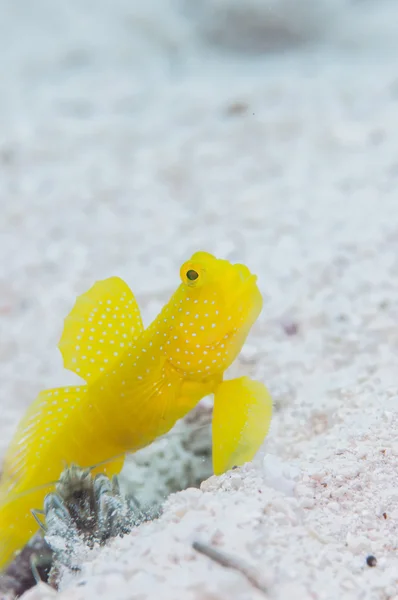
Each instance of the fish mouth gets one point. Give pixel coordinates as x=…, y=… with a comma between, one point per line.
x=246, y=281
x=244, y=290
x=243, y=272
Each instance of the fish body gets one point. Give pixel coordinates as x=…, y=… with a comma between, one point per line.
x=138, y=383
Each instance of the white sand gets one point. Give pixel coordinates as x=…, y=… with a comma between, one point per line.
x=132, y=134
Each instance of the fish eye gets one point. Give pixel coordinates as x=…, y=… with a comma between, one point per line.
x=192, y=275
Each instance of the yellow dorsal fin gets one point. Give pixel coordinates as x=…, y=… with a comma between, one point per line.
x=241, y=419
x=103, y=323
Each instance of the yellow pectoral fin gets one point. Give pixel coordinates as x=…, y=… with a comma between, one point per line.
x=241, y=419
x=104, y=322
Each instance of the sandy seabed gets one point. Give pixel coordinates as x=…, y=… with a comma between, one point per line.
x=134, y=134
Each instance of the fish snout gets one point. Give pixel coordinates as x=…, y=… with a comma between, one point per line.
x=243, y=272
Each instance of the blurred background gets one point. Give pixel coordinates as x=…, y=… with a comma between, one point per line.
x=134, y=133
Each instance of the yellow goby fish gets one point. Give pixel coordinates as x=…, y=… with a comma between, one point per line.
x=139, y=382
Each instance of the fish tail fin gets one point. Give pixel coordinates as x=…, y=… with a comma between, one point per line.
x=104, y=322
x=241, y=419
x=28, y=468
x=35, y=433
x=17, y=524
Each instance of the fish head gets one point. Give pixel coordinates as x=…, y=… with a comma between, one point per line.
x=212, y=312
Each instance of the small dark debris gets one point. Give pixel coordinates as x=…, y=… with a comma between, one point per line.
x=234, y=467
x=237, y=108
x=290, y=328
x=385, y=515
x=371, y=560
